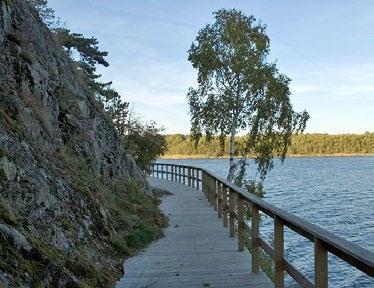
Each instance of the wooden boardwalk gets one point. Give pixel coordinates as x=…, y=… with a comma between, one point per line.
x=196, y=250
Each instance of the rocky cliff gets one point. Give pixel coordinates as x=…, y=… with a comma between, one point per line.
x=72, y=202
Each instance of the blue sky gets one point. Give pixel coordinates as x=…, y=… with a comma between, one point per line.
x=325, y=47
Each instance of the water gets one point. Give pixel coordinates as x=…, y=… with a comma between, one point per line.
x=336, y=193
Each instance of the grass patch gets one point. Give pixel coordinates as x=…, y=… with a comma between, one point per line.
x=134, y=219
x=266, y=263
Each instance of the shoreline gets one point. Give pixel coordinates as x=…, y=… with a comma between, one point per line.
x=200, y=156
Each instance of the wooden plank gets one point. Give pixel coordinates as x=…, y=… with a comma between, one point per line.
x=195, y=251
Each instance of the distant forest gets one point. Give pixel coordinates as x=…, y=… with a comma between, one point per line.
x=180, y=146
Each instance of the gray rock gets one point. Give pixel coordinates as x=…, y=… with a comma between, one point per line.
x=8, y=168
x=14, y=236
x=4, y=280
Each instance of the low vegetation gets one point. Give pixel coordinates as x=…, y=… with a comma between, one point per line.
x=136, y=217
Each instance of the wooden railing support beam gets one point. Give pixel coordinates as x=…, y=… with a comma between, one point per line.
x=255, y=231
x=240, y=223
x=232, y=213
x=320, y=264
x=278, y=253
x=224, y=206
x=219, y=192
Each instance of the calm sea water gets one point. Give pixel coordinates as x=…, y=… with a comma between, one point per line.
x=336, y=193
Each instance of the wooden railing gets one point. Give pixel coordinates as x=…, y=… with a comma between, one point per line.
x=230, y=200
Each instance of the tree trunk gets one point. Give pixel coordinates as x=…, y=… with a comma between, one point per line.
x=232, y=149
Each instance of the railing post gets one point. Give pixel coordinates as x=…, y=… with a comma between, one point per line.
x=157, y=171
x=278, y=253
x=203, y=184
x=193, y=177
x=240, y=222
x=255, y=231
x=198, y=179
x=224, y=206
x=179, y=176
x=320, y=264
x=189, y=177
x=184, y=175
x=232, y=212
x=219, y=192
x=172, y=172
x=214, y=194
x=209, y=189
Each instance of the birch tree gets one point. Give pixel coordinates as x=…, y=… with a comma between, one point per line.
x=240, y=90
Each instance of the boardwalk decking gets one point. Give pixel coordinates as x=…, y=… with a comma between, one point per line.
x=196, y=250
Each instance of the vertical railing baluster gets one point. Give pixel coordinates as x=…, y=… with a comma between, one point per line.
x=219, y=192
x=255, y=234
x=211, y=190
x=193, y=177
x=198, y=179
x=224, y=206
x=232, y=212
x=208, y=185
x=214, y=191
x=240, y=222
x=184, y=175
x=189, y=177
x=278, y=253
x=203, y=184
x=320, y=264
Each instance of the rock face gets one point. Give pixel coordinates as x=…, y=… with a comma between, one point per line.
x=51, y=129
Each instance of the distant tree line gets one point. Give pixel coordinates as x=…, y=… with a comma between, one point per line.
x=302, y=144
x=142, y=140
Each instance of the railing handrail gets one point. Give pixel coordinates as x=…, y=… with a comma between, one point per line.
x=355, y=255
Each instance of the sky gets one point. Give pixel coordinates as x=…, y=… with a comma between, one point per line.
x=325, y=47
